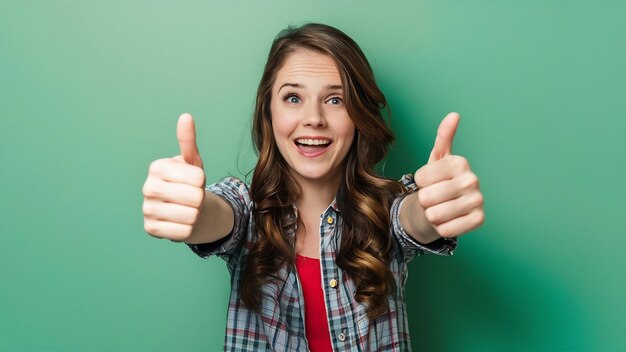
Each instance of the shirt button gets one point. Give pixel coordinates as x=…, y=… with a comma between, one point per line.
x=330, y=220
x=333, y=283
x=341, y=337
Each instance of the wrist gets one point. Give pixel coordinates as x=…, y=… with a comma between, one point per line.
x=426, y=233
x=415, y=222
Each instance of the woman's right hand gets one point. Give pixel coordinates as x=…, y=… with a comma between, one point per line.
x=174, y=190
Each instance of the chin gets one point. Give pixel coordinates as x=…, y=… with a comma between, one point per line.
x=312, y=175
x=317, y=175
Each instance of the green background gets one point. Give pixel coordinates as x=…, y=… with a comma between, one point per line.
x=90, y=93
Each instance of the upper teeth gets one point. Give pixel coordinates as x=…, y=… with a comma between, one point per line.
x=313, y=141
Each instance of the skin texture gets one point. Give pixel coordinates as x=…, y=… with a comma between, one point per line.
x=176, y=206
x=312, y=109
x=449, y=202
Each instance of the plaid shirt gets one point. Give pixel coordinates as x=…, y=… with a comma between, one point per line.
x=280, y=325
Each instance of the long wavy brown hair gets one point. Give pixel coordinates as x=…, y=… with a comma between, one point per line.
x=364, y=199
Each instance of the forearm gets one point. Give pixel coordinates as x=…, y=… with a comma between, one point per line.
x=414, y=222
x=215, y=220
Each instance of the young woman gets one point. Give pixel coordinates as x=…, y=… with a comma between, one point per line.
x=318, y=244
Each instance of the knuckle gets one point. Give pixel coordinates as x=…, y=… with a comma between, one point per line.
x=470, y=181
x=431, y=215
x=480, y=200
x=150, y=227
x=197, y=198
x=147, y=208
x=423, y=197
x=444, y=231
x=189, y=216
x=460, y=162
x=185, y=231
x=155, y=167
x=480, y=218
x=417, y=178
x=146, y=187
x=150, y=190
x=181, y=235
x=193, y=215
x=199, y=178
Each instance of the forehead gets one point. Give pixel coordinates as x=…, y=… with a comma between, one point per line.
x=306, y=65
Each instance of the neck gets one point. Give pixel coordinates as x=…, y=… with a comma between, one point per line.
x=316, y=195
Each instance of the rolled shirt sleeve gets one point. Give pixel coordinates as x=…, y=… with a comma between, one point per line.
x=409, y=246
x=237, y=194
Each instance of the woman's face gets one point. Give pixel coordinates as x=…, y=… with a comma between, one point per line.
x=311, y=126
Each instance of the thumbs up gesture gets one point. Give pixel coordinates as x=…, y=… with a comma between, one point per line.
x=448, y=189
x=174, y=190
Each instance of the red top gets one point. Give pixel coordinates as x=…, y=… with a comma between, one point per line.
x=315, y=319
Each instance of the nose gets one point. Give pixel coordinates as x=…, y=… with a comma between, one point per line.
x=314, y=116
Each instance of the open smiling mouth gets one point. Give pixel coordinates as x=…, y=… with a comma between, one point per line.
x=312, y=147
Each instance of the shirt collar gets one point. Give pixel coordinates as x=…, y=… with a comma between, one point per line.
x=332, y=205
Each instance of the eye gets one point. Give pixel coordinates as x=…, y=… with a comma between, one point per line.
x=291, y=98
x=334, y=101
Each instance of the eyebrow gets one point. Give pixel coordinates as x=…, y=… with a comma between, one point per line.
x=298, y=85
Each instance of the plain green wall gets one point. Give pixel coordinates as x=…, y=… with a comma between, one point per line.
x=90, y=93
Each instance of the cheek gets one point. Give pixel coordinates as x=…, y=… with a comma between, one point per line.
x=282, y=133
x=347, y=129
x=277, y=119
x=281, y=127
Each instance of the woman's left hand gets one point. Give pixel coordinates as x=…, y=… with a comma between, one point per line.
x=448, y=189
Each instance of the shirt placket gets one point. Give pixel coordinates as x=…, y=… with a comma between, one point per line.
x=299, y=284
x=338, y=310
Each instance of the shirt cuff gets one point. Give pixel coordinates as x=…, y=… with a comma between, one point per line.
x=443, y=246
x=206, y=250
x=236, y=194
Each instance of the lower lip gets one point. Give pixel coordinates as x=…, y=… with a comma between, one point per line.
x=314, y=154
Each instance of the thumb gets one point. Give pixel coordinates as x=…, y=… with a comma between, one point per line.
x=186, y=133
x=445, y=135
